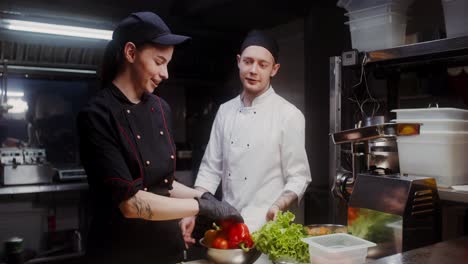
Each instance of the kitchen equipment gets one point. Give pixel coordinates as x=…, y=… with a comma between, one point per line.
x=24, y=166
x=448, y=167
x=70, y=173
x=231, y=256
x=438, y=125
x=413, y=200
x=455, y=17
x=376, y=200
x=337, y=249
x=14, y=250
x=432, y=113
x=373, y=149
x=324, y=229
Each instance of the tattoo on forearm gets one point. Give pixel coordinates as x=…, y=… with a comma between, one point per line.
x=286, y=198
x=149, y=212
x=143, y=209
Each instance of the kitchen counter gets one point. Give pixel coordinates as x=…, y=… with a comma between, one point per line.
x=449, y=194
x=38, y=188
x=451, y=251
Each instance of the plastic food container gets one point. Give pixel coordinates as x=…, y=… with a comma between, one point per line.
x=397, y=8
x=378, y=32
x=337, y=248
x=441, y=155
x=456, y=18
x=432, y=113
x=437, y=125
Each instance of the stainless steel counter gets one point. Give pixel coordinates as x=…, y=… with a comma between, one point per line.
x=451, y=251
x=447, y=194
x=57, y=187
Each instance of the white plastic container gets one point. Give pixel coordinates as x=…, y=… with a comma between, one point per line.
x=378, y=32
x=441, y=155
x=337, y=248
x=437, y=125
x=431, y=113
x=456, y=17
x=353, y=5
x=397, y=8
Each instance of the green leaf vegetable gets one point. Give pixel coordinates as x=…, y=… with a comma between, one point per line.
x=372, y=225
x=282, y=238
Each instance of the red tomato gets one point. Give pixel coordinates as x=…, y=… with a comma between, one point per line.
x=210, y=236
x=220, y=242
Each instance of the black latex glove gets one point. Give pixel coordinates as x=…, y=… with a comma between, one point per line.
x=210, y=207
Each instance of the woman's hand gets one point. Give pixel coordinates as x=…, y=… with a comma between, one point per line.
x=187, y=224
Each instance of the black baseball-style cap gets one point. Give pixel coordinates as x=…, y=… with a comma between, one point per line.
x=146, y=27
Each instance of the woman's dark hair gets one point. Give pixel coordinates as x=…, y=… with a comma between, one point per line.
x=111, y=62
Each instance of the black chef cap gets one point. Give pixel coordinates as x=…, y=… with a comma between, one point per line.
x=146, y=27
x=260, y=38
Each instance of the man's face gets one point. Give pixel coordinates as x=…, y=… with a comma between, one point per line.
x=256, y=67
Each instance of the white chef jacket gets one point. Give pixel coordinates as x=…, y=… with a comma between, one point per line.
x=258, y=152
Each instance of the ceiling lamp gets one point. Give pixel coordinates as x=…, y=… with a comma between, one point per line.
x=38, y=27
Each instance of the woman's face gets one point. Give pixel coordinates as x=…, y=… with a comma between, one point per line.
x=149, y=67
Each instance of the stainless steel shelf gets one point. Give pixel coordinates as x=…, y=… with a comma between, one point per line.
x=441, y=48
x=446, y=194
x=59, y=187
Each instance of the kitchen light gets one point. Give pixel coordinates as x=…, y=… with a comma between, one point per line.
x=18, y=106
x=15, y=94
x=38, y=27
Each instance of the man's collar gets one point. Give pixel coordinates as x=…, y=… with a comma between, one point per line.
x=259, y=99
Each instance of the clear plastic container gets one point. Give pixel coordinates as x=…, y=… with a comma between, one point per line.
x=437, y=125
x=441, y=155
x=456, y=17
x=431, y=113
x=337, y=248
x=397, y=8
x=378, y=32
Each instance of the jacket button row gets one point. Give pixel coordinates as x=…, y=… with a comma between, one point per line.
x=148, y=163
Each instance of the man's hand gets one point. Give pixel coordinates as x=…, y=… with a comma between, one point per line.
x=281, y=204
x=187, y=225
x=272, y=212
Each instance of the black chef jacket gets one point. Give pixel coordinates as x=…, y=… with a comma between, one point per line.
x=126, y=147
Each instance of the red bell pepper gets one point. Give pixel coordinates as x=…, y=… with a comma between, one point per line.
x=226, y=225
x=239, y=237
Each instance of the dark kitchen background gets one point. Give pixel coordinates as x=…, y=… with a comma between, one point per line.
x=49, y=78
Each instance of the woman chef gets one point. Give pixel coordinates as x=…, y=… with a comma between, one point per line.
x=128, y=152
